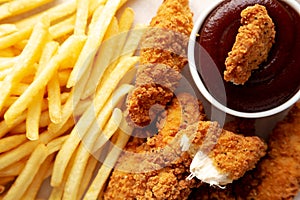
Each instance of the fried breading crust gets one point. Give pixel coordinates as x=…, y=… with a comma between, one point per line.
x=277, y=175
x=163, y=55
x=158, y=168
x=253, y=42
x=165, y=169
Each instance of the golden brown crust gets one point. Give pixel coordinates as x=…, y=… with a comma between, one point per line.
x=253, y=42
x=279, y=173
x=235, y=154
x=163, y=54
x=158, y=168
x=232, y=154
x=277, y=176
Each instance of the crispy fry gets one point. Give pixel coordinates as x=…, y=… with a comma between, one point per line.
x=35, y=185
x=29, y=56
x=93, y=42
x=13, y=170
x=19, y=6
x=55, y=13
x=83, y=125
x=35, y=107
x=33, y=116
x=103, y=173
x=81, y=16
x=73, y=182
x=102, y=59
x=110, y=128
x=54, y=99
x=6, y=29
x=25, y=178
x=126, y=21
x=42, y=93
x=56, y=144
x=17, y=154
x=4, y=128
x=11, y=142
x=70, y=47
x=62, y=28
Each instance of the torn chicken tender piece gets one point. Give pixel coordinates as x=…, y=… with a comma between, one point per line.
x=253, y=42
x=220, y=156
x=276, y=176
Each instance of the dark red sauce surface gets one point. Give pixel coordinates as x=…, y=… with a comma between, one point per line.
x=276, y=81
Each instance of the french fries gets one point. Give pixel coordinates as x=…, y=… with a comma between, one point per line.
x=59, y=104
x=19, y=6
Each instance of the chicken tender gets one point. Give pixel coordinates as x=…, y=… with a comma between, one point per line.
x=163, y=55
x=164, y=166
x=253, y=42
x=277, y=175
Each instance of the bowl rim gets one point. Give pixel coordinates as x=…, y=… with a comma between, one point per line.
x=200, y=85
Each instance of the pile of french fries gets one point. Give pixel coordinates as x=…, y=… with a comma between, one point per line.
x=64, y=73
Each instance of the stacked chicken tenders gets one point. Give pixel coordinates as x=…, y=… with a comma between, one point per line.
x=163, y=166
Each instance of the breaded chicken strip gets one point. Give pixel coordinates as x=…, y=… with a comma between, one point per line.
x=277, y=175
x=183, y=110
x=162, y=57
x=161, y=167
x=253, y=42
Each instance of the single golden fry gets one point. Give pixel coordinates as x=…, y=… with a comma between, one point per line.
x=126, y=21
x=81, y=16
x=29, y=56
x=32, y=166
x=4, y=128
x=35, y=185
x=62, y=28
x=19, y=6
x=72, y=105
x=6, y=29
x=11, y=142
x=56, y=144
x=11, y=39
x=6, y=180
x=35, y=107
x=57, y=192
x=13, y=170
x=133, y=40
x=110, y=128
x=55, y=13
x=7, y=63
x=33, y=116
x=93, y=42
x=54, y=100
x=106, y=168
x=17, y=154
x=88, y=174
x=8, y=52
x=69, y=47
x=102, y=59
x=43, y=123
